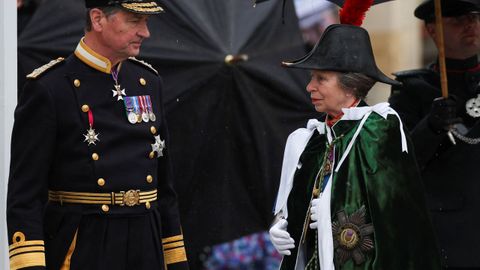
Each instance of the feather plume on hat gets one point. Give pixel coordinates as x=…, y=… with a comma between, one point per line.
x=353, y=11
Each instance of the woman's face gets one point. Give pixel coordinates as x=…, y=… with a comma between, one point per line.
x=326, y=95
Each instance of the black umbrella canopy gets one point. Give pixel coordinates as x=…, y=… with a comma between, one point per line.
x=230, y=104
x=53, y=31
x=228, y=122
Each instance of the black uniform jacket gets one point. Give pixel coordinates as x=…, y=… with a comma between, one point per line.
x=51, y=155
x=451, y=173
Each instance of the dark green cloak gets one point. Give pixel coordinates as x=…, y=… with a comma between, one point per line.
x=378, y=175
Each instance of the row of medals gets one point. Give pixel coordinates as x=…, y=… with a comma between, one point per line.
x=136, y=117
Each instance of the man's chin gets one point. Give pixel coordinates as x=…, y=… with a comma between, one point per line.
x=133, y=53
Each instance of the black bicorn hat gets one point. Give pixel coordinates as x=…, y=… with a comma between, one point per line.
x=135, y=6
x=343, y=48
x=450, y=8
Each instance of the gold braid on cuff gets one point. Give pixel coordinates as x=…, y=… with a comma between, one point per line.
x=174, y=249
x=24, y=253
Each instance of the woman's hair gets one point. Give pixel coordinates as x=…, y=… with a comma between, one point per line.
x=106, y=10
x=357, y=84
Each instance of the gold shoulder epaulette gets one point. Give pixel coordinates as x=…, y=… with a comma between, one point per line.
x=38, y=71
x=144, y=64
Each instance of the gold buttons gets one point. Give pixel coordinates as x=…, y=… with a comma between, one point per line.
x=105, y=208
x=76, y=82
x=149, y=178
x=101, y=182
x=147, y=205
x=95, y=156
x=85, y=108
x=153, y=130
x=151, y=155
x=142, y=81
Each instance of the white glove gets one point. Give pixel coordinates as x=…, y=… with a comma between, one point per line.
x=281, y=238
x=314, y=213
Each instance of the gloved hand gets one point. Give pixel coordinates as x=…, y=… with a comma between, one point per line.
x=314, y=213
x=443, y=114
x=281, y=238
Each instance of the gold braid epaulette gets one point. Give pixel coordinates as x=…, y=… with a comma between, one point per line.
x=38, y=71
x=144, y=64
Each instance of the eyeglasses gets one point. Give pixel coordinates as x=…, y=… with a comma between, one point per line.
x=463, y=19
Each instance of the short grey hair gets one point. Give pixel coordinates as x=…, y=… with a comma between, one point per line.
x=357, y=84
x=108, y=11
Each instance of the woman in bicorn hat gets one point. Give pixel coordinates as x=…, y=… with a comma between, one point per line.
x=350, y=194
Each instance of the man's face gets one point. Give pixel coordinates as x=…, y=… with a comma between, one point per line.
x=462, y=35
x=123, y=33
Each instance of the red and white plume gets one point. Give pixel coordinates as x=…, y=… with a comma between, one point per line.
x=353, y=11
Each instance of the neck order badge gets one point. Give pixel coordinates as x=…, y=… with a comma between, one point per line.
x=118, y=91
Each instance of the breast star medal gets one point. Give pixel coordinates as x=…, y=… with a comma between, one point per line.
x=473, y=106
x=158, y=146
x=352, y=236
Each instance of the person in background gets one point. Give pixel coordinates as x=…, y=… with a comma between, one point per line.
x=313, y=17
x=90, y=183
x=449, y=164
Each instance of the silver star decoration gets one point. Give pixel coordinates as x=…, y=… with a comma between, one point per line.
x=158, y=146
x=118, y=92
x=91, y=137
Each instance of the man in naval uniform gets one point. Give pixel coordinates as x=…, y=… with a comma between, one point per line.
x=450, y=172
x=90, y=183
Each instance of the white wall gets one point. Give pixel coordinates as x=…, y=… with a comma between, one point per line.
x=8, y=100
